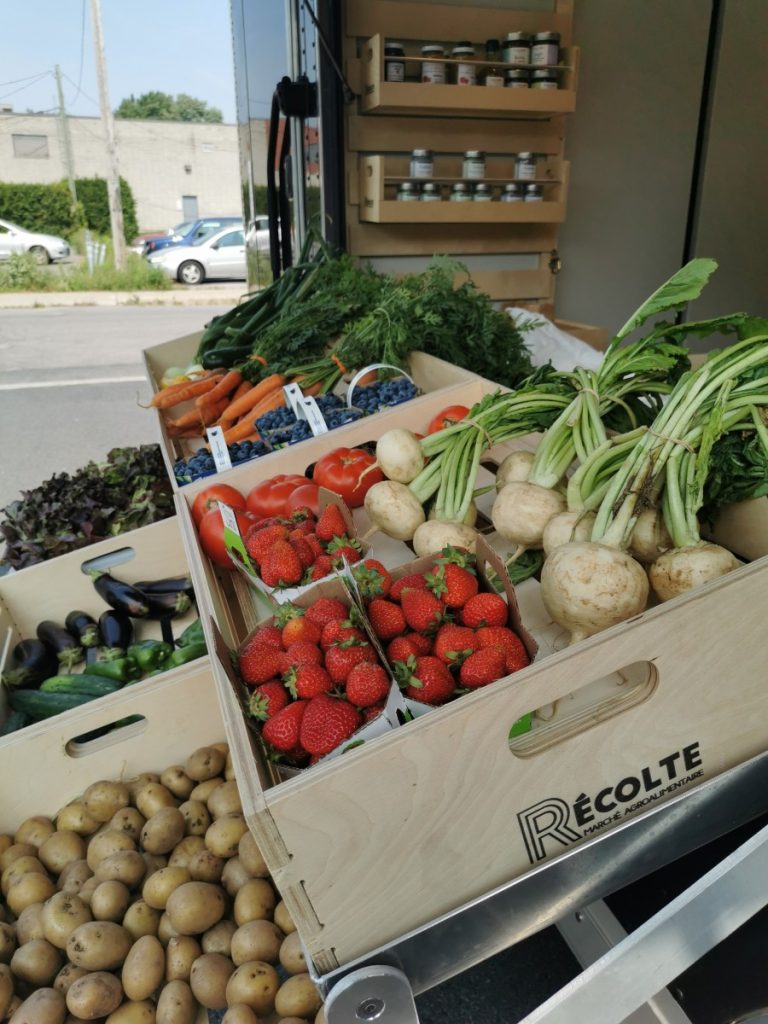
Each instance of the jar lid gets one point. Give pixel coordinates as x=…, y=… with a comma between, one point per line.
x=517, y=75
x=533, y=189
x=409, y=186
x=512, y=186
x=430, y=186
x=390, y=44
x=422, y=153
x=518, y=37
x=460, y=186
x=545, y=75
x=525, y=156
x=474, y=154
x=434, y=48
x=463, y=50
x=547, y=37
x=482, y=188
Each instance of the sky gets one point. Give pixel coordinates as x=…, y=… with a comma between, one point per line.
x=169, y=45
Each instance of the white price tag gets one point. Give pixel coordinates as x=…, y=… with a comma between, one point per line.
x=229, y=518
x=313, y=416
x=294, y=398
x=219, y=449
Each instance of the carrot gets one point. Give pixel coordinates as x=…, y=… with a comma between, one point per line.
x=239, y=432
x=242, y=389
x=200, y=417
x=251, y=398
x=228, y=383
x=176, y=394
x=313, y=389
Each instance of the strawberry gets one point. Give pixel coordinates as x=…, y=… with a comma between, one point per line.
x=370, y=713
x=315, y=545
x=367, y=684
x=269, y=636
x=387, y=618
x=258, y=541
x=300, y=629
x=452, y=584
x=423, y=644
x=454, y=644
x=280, y=566
x=303, y=653
x=321, y=567
x=483, y=667
x=342, y=658
x=306, y=681
x=503, y=639
x=327, y=609
x=425, y=679
x=303, y=514
x=373, y=580
x=303, y=550
x=282, y=730
x=259, y=662
x=414, y=581
x=330, y=524
x=402, y=648
x=327, y=722
x=337, y=631
x=266, y=700
x=345, y=547
x=423, y=612
x=484, y=610
x=298, y=757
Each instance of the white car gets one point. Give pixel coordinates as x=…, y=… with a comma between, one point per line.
x=258, y=233
x=221, y=255
x=45, y=248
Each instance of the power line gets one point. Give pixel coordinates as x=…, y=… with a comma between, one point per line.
x=21, y=88
x=15, y=81
x=80, y=91
x=82, y=54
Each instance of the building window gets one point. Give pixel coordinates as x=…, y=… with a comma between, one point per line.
x=33, y=147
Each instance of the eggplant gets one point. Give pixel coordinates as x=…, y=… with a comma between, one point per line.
x=171, y=585
x=67, y=650
x=116, y=629
x=83, y=627
x=120, y=595
x=171, y=604
x=33, y=662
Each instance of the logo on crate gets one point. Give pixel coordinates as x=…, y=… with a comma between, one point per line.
x=552, y=824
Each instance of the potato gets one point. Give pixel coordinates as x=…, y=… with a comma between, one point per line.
x=37, y=962
x=206, y=866
x=257, y=940
x=153, y=797
x=159, y=887
x=292, y=955
x=163, y=830
x=154, y=862
x=203, y=790
x=224, y=834
x=75, y=818
x=234, y=876
x=133, y=1013
x=240, y=1014
x=74, y=876
x=180, y=953
x=177, y=780
x=195, y=907
x=99, y=946
x=67, y=977
x=45, y=1006
x=222, y=746
x=292, y=1020
x=14, y=852
x=204, y=763
x=61, y=914
x=60, y=849
x=176, y=1004
x=126, y=866
x=94, y=996
x=7, y=942
x=88, y=888
x=29, y=924
x=144, y=968
x=6, y=842
x=104, y=799
x=128, y=820
x=209, y=978
x=28, y=889
x=283, y=919
x=21, y=866
x=219, y=938
x=6, y=989
x=34, y=831
x=225, y=799
x=255, y=984
x=229, y=768
x=141, y=919
x=185, y=850
x=165, y=930
x=255, y=901
x=105, y=844
x=136, y=785
x=196, y=817
x=250, y=856
x=297, y=997
x=110, y=901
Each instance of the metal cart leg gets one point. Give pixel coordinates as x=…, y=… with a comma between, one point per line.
x=381, y=995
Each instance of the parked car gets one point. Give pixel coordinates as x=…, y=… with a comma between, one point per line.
x=258, y=233
x=189, y=233
x=45, y=248
x=221, y=255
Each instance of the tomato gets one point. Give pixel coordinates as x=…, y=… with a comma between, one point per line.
x=211, y=532
x=448, y=418
x=306, y=495
x=340, y=471
x=207, y=499
x=270, y=496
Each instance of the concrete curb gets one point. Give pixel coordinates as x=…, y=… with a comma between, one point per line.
x=207, y=295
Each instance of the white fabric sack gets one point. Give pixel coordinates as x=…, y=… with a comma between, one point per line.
x=547, y=343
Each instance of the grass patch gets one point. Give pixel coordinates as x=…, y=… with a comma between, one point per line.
x=22, y=274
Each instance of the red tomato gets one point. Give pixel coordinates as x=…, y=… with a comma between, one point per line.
x=341, y=471
x=211, y=531
x=307, y=495
x=207, y=499
x=447, y=418
x=269, y=497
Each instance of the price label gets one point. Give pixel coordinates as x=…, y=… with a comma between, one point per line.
x=219, y=449
x=294, y=398
x=229, y=518
x=313, y=416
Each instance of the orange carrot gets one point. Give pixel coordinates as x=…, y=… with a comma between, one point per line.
x=228, y=383
x=202, y=417
x=175, y=395
x=251, y=398
x=239, y=432
x=242, y=389
x=313, y=389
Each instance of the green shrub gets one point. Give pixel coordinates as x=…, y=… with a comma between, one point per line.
x=46, y=208
x=92, y=193
x=21, y=273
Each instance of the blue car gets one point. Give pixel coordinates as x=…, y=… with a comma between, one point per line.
x=189, y=233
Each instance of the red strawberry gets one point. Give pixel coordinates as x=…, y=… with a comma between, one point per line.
x=282, y=731
x=259, y=662
x=303, y=550
x=423, y=644
x=259, y=541
x=326, y=609
x=315, y=545
x=267, y=699
x=423, y=612
x=303, y=515
x=269, y=636
x=337, y=631
x=280, y=566
x=330, y=524
x=414, y=581
x=367, y=684
x=321, y=567
x=425, y=679
x=402, y=648
x=454, y=644
x=300, y=629
x=452, y=584
x=483, y=667
x=303, y=653
x=345, y=547
x=327, y=722
x=386, y=618
x=373, y=580
x=503, y=639
x=370, y=713
x=306, y=681
x=484, y=610
x=341, y=659
x=298, y=757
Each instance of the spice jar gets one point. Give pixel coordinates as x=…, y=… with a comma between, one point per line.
x=422, y=164
x=394, y=65
x=525, y=166
x=493, y=75
x=464, y=71
x=430, y=193
x=408, y=192
x=460, y=193
x=517, y=78
x=544, y=79
x=517, y=48
x=512, y=193
x=545, y=48
x=432, y=67
x=474, y=164
x=533, y=194
x=483, y=193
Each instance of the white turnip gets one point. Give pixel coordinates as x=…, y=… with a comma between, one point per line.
x=434, y=535
x=393, y=509
x=683, y=569
x=522, y=510
x=515, y=467
x=399, y=455
x=565, y=527
x=650, y=537
x=469, y=519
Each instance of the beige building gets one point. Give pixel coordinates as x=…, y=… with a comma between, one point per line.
x=177, y=170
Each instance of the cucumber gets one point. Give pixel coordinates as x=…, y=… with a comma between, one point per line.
x=43, y=705
x=15, y=721
x=90, y=685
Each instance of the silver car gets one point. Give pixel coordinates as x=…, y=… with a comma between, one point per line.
x=45, y=248
x=221, y=255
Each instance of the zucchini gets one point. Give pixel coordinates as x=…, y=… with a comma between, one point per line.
x=15, y=721
x=44, y=705
x=90, y=685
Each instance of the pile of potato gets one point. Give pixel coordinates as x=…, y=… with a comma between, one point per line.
x=145, y=901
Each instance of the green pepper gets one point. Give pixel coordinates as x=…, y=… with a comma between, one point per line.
x=121, y=670
x=109, y=654
x=193, y=634
x=150, y=654
x=184, y=654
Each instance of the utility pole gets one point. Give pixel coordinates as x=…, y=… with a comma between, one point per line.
x=113, y=174
x=67, y=140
